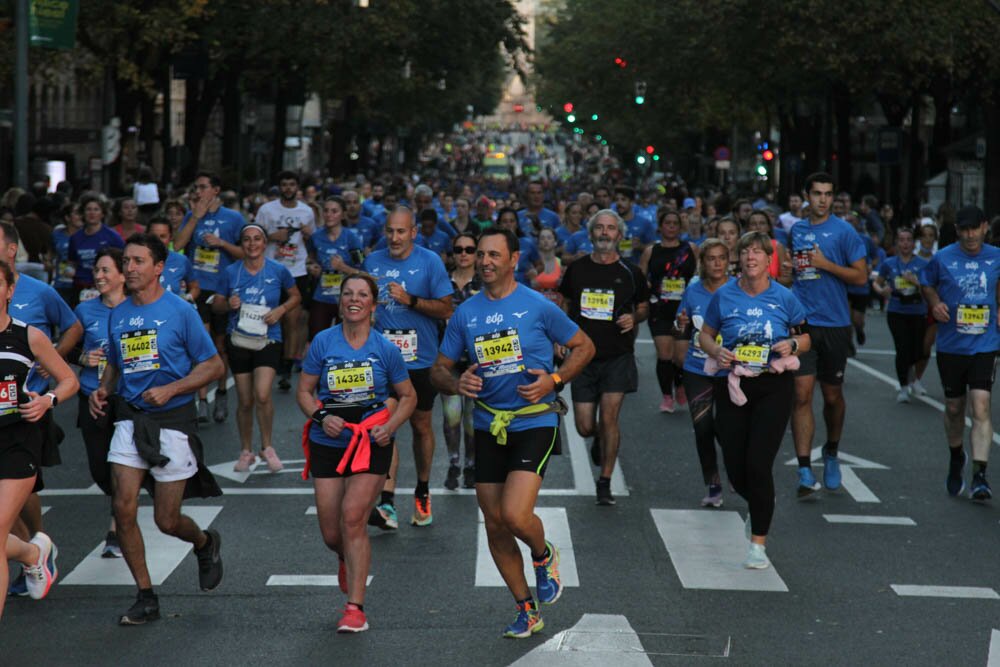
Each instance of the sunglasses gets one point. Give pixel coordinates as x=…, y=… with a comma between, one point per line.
x=467, y=249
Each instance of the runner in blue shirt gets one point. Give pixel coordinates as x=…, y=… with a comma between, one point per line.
x=962, y=287
x=210, y=235
x=577, y=246
x=528, y=258
x=373, y=206
x=414, y=296
x=350, y=369
x=898, y=279
x=178, y=272
x=339, y=251
x=64, y=269
x=433, y=238
x=509, y=330
x=758, y=321
x=94, y=315
x=159, y=356
x=84, y=243
x=366, y=228
x=639, y=230
x=859, y=296
x=534, y=196
x=827, y=255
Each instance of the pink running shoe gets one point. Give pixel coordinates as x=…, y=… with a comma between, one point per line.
x=682, y=398
x=667, y=404
x=246, y=460
x=353, y=619
x=270, y=456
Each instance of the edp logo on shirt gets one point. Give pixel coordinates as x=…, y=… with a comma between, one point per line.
x=495, y=318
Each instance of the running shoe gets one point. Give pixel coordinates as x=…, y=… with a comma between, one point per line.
x=667, y=404
x=980, y=487
x=353, y=620
x=145, y=609
x=527, y=623
x=210, y=561
x=917, y=388
x=604, y=496
x=807, y=482
x=40, y=576
x=18, y=587
x=955, y=483
x=547, y=576
x=383, y=516
x=274, y=464
x=681, y=397
x=451, y=481
x=246, y=460
x=903, y=396
x=422, y=511
x=756, y=557
x=831, y=472
x=221, y=410
x=342, y=576
x=469, y=477
x=112, y=549
x=202, y=412
x=714, y=496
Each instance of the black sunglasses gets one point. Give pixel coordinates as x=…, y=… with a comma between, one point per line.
x=467, y=249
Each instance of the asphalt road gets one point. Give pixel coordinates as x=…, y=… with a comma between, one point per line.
x=836, y=592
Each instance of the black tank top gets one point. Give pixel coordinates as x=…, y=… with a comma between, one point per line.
x=16, y=360
x=670, y=270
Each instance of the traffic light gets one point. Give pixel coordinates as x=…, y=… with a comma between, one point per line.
x=650, y=149
x=768, y=154
x=593, y=116
x=641, y=159
x=621, y=62
x=571, y=118
x=640, y=92
x=568, y=107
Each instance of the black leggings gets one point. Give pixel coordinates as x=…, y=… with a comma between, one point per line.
x=750, y=436
x=702, y=405
x=669, y=375
x=908, y=335
x=97, y=439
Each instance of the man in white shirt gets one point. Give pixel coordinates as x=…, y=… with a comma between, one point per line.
x=793, y=214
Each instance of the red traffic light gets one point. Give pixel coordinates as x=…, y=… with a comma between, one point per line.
x=568, y=107
x=768, y=155
x=650, y=149
x=621, y=62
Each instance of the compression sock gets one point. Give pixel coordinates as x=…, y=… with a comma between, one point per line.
x=388, y=497
x=678, y=375
x=804, y=461
x=422, y=490
x=830, y=448
x=146, y=593
x=956, y=453
x=665, y=376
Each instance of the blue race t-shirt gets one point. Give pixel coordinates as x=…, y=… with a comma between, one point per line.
x=367, y=229
x=578, y=242
x=438, y=241
x=547, y=217
x=968, y=285
x=526, y=261
x=363, y=376
x=823, y=295
x=372, y=209
x=209, y=262
x=423, y=275
x=38, y=304
x=695, y=304
x=177, y=268
x=871, y=254
x=507, y=338
x=750, y=325
x=259, y=293
x=155, y=344
x=906, y=298
x=94, y=315
x=65, y=270
x=638, y=230
x=83, y=249
x=347, y=246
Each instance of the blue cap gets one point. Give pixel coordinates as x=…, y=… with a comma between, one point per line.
x=689, y=203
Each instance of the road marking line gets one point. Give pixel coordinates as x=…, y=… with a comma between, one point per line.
x=938, y=405
x=308, y=491
x=163, y=553
x=45, y=509
x=596, y=640
x=579, y=458
x=970, y=592
x=854, y=486
x=994, y=658
x=306, y=580
x=707, y=547
x=556, y=531
x=845, y=459
x=872, y=520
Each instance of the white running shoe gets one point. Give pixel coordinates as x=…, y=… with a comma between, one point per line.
x=904, y=395
x=917, y=388
x=756, y=558
x=40, y=576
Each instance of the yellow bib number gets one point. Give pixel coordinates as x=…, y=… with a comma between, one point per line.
x=351, y=381
x=206, y=259
x=753, y=355
x=140, y=351
x=597, y=304
x=330, y=283
x=499, y=353
x=672, y=289
x=972, y=319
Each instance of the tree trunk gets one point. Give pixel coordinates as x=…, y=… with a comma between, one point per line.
x=842, y=118
x=937, y=161
x=198, y=105
x=915, y=175
x=231, y=134
x=280, y=132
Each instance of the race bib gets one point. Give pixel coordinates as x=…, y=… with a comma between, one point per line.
x=329, y=284
x=140, y=351
x=598, y=304
x=252, y=319
x=351, y=381
x=804, y=270
x=405, y=340
x=66, y=271
x=206, y=259
x=8, y=398
x=286, y=252
x=754, y=356
x=696, y=349
x=972, y=319
x=904, y=286
x=672, y=289
x=625, y=246
x=88, y=294
x=499, y=353
x=102, y=364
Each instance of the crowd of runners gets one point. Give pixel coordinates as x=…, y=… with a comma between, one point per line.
x=372, y=300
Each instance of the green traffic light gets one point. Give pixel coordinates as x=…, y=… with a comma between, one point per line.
x=639, y=99
x=641, y=159
x=656, y=158
x=593, y=117
x=762, y=170
x=571, y=118
x=598, y=137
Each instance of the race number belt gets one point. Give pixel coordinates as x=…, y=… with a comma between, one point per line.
x=972, y=319
x=754, y=356
x=8, y=398
x=140, y=351
x=597, y=304
x=672, y=289
x=207, y=259
x=351, y=381
x=252, y=319
x=499, y=353
x=329, y=283
x=405, y=340
x=804, y=269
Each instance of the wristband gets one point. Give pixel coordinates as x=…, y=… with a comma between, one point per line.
x=318, y=416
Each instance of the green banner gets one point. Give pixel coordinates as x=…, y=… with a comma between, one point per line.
x=53, y=23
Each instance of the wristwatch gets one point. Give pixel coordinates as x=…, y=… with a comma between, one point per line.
x=795, y=344
x=558, y=380
x=54, y=398
x=413, y=300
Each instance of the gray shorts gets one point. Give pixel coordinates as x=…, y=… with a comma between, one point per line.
x=605, y=376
